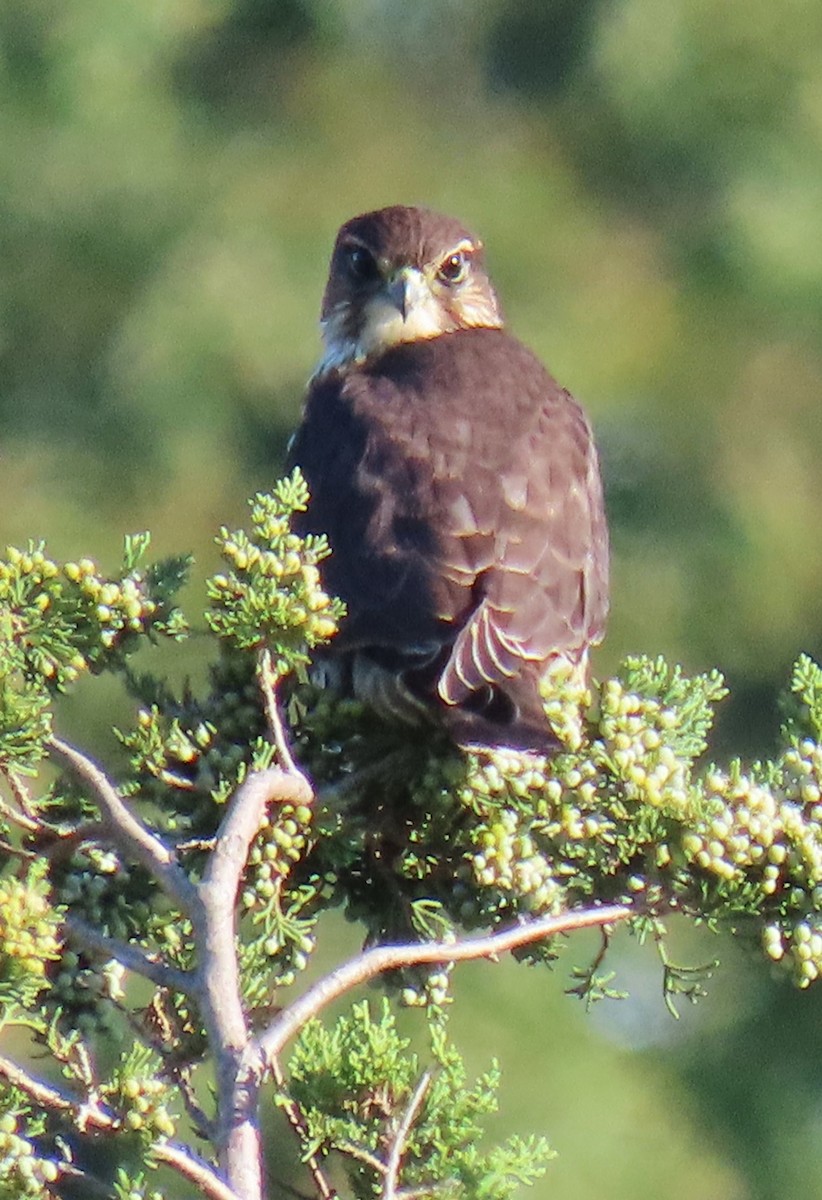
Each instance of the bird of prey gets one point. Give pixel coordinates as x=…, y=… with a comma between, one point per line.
x=459, y=487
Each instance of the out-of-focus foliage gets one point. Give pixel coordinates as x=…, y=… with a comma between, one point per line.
x=647, y=184
x=648, y=181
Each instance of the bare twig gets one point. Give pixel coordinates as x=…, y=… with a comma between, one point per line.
x=16, y=817
x=148, y=1030
x=132, y=957
x=192, y=844
x=53, y=841
x=211, y=906
x=392, y=1173
x=296, y=1120
x=25, y=816
x=242, y=822
x=181, y=1077
x=269, y=1044
x=587, y=976
x=82, y=1065
x=38, y=1090
x=58, y=844
x=129, y=833
x=276, y=727
x=17, y=851
x=363, y=1156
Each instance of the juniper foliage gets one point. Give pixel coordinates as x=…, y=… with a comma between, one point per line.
x=414, y=840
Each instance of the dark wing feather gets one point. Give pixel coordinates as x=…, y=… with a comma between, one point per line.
x=459, y=486
x=545, y=597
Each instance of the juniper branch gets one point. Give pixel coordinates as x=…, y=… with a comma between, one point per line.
x=394, y=1162
x=376, y=961
x=131, y=956
x=16, y=816
x=25, y=814
x=126, y=830
x=218, y=976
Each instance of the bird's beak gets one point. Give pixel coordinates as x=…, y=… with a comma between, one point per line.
x=406, y=290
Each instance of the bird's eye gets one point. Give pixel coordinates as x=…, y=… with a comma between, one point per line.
x=453, y=269
x=361, y=264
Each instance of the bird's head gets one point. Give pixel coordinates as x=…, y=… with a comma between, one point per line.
x=399, y=275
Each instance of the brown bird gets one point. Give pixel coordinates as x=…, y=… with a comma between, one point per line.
x=459, y=487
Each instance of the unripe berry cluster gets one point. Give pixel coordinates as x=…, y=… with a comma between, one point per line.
x=566, y=700
x=802, y=776
x=137, y=1192
x=142, y=1102
x=799, y=948
x=310, y=610
x=272, y=594
x=22, y=1171
x=636, y=744
x=119, y=606
x=67, y=619
x=284, y=938
x=288, y=948
x=281, y=944
x=107, y=893
x=81, y=989
x=507, y=858
x=30, y=935
x=195, y=749
x=30, y=585
x=745, y=829
x=434, y=989
x=280, y=843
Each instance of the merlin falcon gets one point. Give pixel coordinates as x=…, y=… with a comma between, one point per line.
x=459, y=487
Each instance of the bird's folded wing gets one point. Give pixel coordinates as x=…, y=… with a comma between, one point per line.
x=531, y=545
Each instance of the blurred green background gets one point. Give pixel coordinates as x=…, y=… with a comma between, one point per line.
x=647, y=177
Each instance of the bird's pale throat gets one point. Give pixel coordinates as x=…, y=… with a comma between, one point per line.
x=406, y=309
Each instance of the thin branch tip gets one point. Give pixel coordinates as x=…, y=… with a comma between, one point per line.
x=398, y=1145
x=267, y=680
